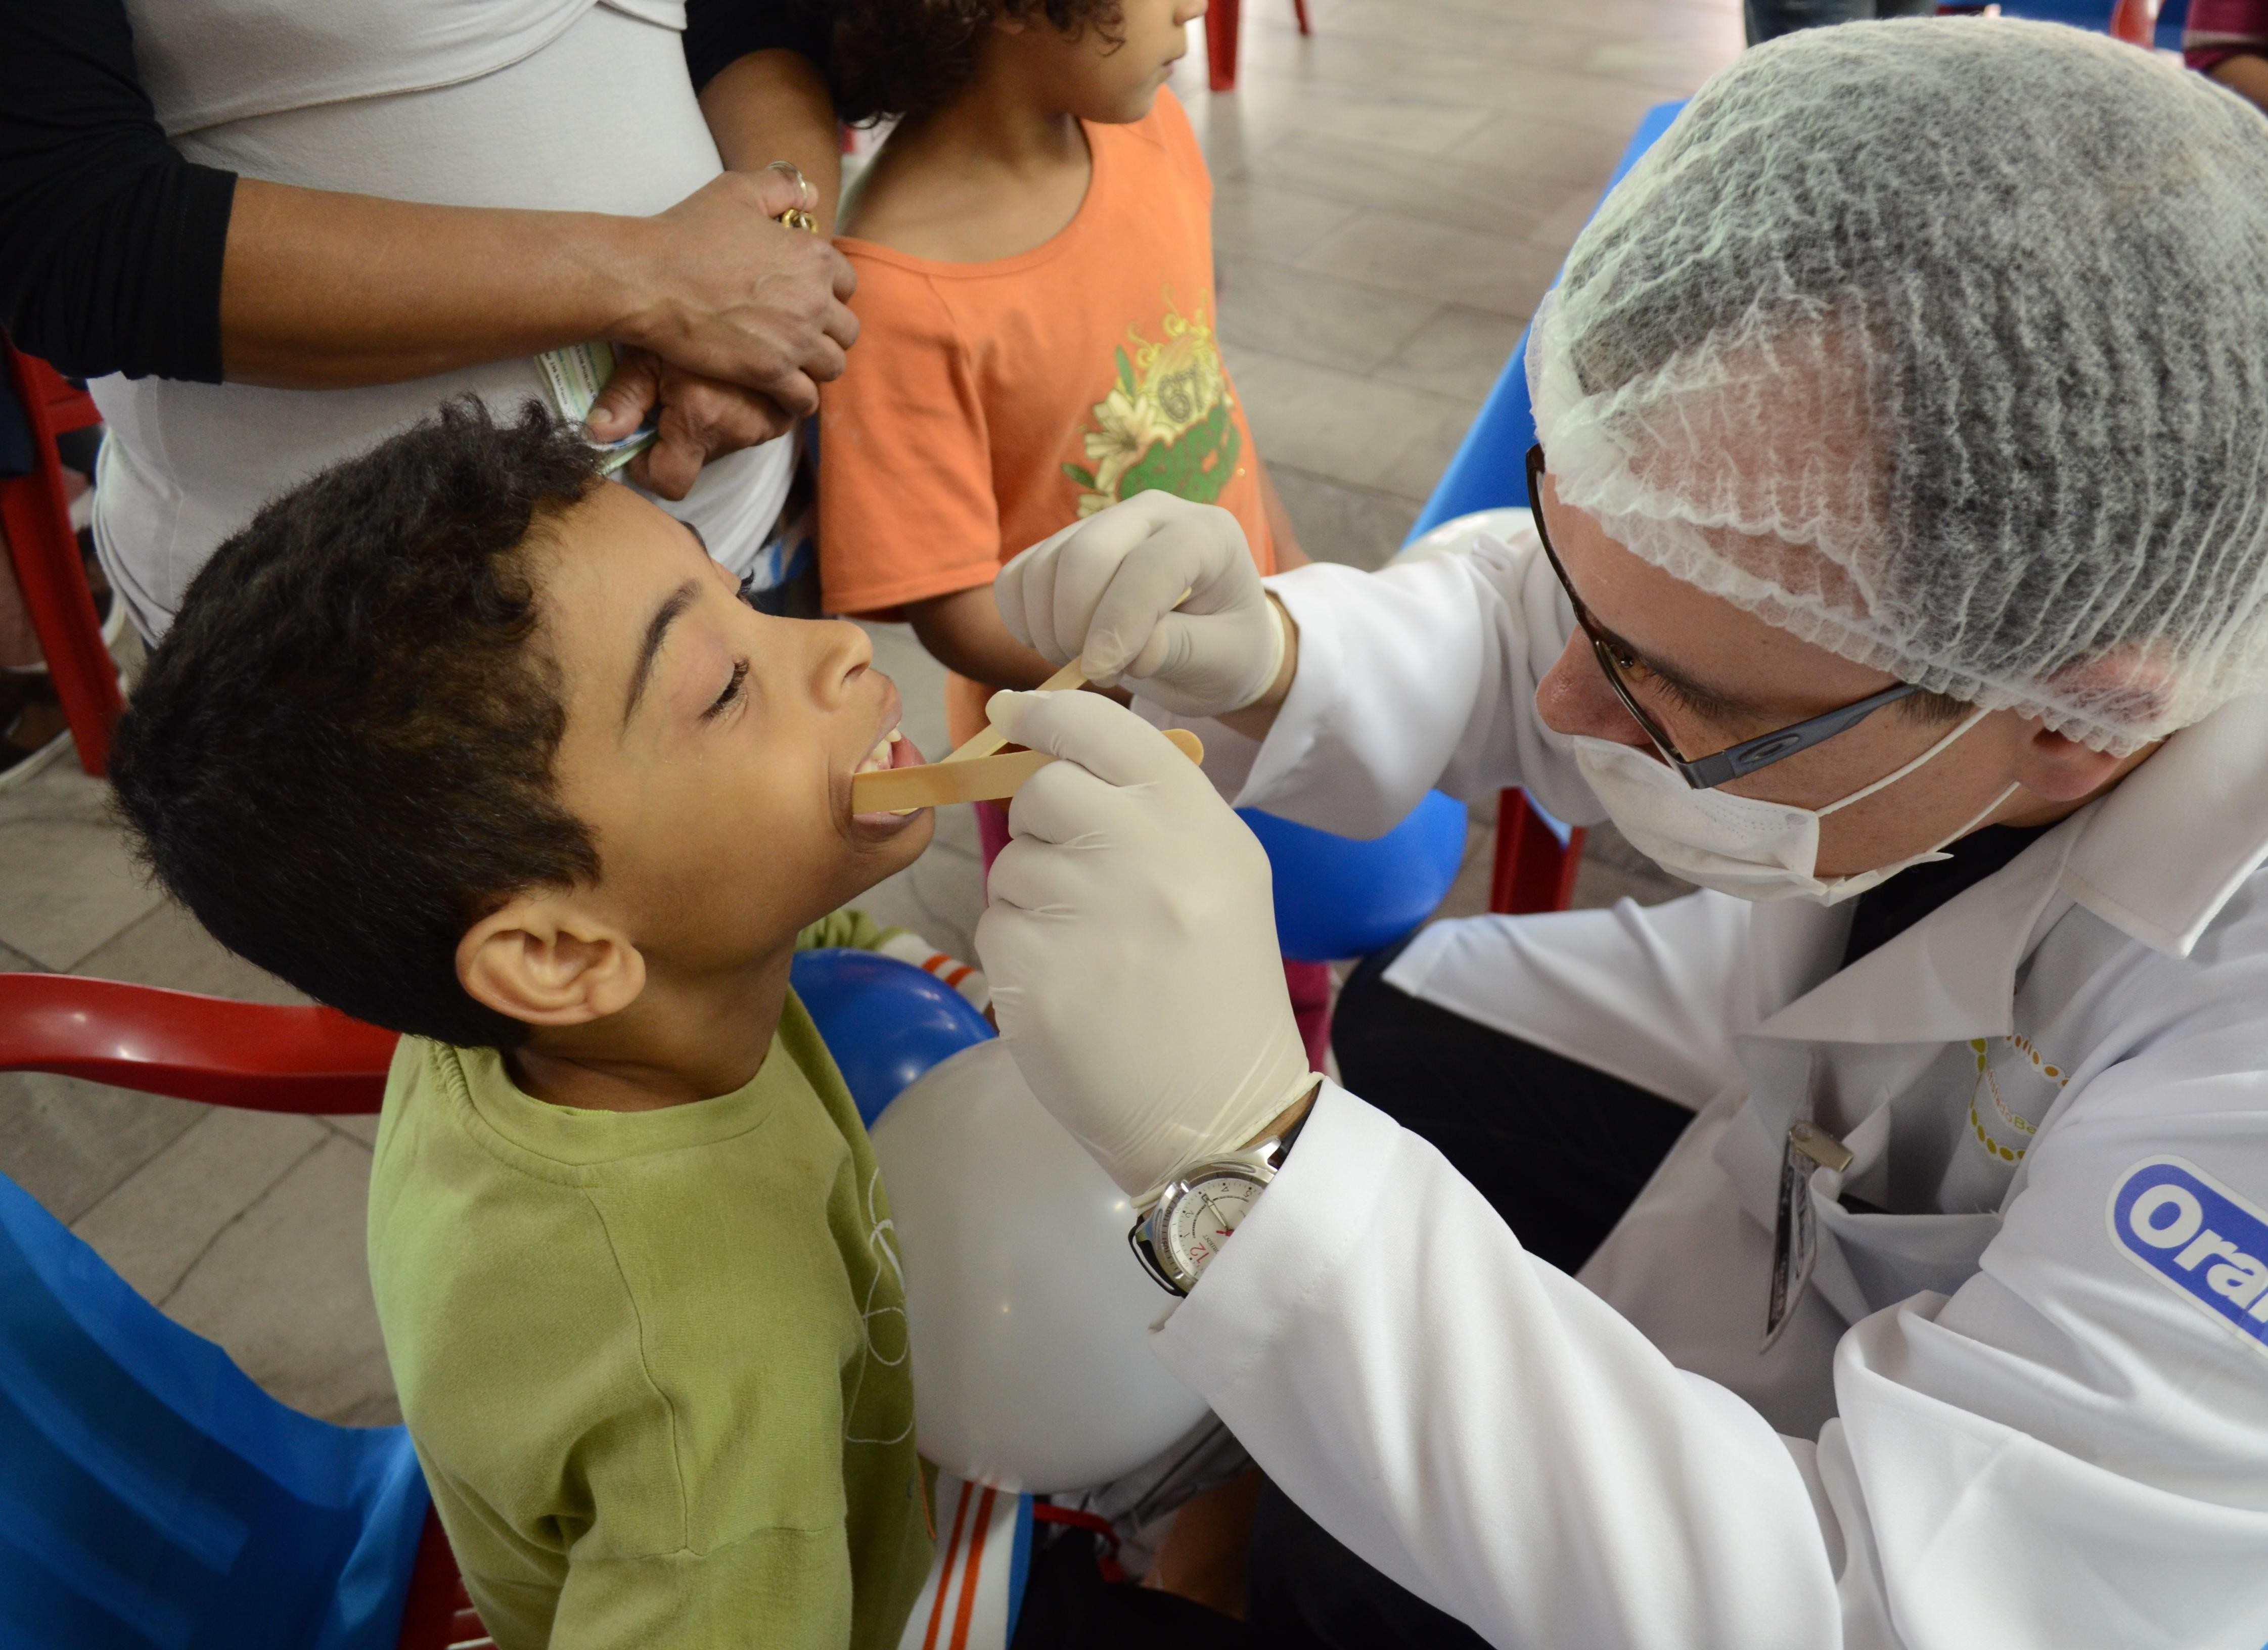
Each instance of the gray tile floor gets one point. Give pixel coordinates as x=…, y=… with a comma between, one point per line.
x=1392, y=195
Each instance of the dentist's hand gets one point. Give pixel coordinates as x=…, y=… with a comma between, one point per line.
x=1131, y=942
x=1109, y=593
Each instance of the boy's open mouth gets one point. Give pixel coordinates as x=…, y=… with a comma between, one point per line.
x=893, y=749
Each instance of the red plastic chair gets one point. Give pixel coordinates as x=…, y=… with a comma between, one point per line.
x=1534, y=871
x=35, y=521
x=257, y=1056
x=1222, y=26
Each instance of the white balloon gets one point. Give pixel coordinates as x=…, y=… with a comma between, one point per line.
x=1029, y=1316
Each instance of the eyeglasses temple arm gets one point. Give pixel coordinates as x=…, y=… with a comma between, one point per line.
x=1736, y=760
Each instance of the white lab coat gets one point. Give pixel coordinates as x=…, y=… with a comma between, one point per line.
x=2001, y=1417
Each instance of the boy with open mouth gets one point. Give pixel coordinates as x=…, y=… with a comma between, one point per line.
x=468, y=742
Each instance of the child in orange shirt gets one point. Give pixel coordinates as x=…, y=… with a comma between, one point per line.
x=1034, y=247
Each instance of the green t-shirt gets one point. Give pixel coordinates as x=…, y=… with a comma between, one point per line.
x=654, y=1363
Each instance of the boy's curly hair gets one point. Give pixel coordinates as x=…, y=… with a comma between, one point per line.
x=340, y=756
x=910, y=57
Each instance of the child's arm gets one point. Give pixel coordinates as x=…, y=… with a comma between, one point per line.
x=2244, y=74
x=963, y=633
x=773, y=106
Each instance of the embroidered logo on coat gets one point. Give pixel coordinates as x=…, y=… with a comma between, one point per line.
x=2196, y=1237
x=1999, y=1128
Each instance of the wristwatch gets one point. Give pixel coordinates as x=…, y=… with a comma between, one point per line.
x=1193, y=1215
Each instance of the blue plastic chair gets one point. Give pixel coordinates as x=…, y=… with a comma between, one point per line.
x=1338, y=896
x=151, y=1496
x=1490, y=470
x=1536, y=855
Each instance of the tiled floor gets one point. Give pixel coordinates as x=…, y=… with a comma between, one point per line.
x=1392, y=196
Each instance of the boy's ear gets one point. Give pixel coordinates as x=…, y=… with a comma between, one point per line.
x=542, y=960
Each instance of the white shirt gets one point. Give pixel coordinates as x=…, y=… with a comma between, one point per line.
x=2006, y=1414
x=558, y=104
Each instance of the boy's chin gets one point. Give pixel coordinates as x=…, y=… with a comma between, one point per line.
x=885, y=850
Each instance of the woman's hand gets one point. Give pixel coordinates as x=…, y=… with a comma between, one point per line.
x=702, y=418
x=1130, y=945
x=724, y=291
x=324, y=290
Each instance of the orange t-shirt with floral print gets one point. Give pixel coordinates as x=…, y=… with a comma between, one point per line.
x=987, y=405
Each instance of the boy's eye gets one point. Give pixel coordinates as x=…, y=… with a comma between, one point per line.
x=731, y=691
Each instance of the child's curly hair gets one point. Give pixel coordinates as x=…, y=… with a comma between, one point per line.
x=910, y=56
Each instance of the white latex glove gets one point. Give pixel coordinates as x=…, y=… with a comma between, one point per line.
x=1130, y=941
x=1109, y=592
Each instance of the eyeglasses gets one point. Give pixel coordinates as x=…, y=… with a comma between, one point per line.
x=1735, y=761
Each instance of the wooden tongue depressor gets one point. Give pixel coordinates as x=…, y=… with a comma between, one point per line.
x=1068, y=680
x=1065, y=680
x=969, y=779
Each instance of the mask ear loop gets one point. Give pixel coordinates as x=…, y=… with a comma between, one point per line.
x=1988, y=811
x=1891, y=779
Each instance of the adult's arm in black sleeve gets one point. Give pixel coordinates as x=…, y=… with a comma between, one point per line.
x=111, y=244
x=718, y=32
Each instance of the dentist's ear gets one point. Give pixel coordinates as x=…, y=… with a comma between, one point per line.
x=2063, y=769
x=2059, y=768
x=542, y=960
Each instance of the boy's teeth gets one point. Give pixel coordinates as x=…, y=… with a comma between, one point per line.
x=880, y=756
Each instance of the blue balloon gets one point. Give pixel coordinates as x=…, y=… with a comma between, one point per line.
x=885, y=1021
x=1337, y=897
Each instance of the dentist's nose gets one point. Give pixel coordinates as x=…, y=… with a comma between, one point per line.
x=1574, y=698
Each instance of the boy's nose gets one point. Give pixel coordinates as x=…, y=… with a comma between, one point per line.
x=844, y=655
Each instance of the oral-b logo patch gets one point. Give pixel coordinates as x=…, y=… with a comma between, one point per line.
x=2198, y=1238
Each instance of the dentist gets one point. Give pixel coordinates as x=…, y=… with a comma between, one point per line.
x=1899, y=574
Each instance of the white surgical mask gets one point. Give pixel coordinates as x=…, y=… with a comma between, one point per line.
x=1738, y=844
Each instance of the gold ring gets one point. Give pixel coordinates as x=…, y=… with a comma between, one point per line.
x=797, y=217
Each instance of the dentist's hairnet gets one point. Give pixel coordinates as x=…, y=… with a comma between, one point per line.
x=1943, y=345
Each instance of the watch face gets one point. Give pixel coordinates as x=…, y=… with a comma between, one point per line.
x=1202, y=1216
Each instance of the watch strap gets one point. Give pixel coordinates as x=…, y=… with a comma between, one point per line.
x=1138, y=1239
x=1284, y=1141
